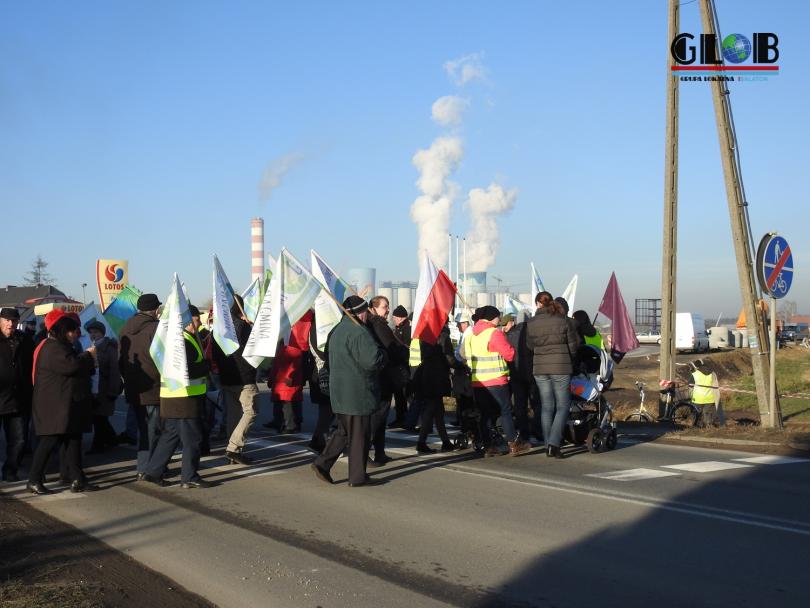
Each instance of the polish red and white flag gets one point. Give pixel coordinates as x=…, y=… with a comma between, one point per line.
x=435, y=295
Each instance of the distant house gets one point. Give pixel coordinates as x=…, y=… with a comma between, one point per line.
x=25, y=298
x=800, y=319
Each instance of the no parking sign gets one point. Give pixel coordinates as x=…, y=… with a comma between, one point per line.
x=774, y=265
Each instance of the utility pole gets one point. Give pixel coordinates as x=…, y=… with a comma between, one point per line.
x=669, y=258
x=737, y=209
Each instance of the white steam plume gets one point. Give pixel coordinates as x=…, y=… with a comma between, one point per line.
x=448, y=110
x=485, y=207
x=431, y=211
x=275, y=171
x=466, y=69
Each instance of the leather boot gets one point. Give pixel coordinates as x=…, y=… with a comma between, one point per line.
x=519, y=446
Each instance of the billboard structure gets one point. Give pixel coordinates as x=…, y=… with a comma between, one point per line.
x=111, y=277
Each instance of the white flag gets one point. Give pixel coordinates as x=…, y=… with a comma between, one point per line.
x=291, y=294
x=570, y=294
x=168, y=348
x=327, y=312
x=224, y=332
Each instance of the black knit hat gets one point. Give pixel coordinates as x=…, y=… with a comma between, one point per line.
x=400, y=312
x=9, y=313
x=97, y=325
x=148, y=302
x=195, y=312
x=488, y=313
x=355, y=305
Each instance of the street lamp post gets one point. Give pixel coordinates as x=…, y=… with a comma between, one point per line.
x=84, y=295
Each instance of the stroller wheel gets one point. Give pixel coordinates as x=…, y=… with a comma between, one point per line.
x=462, y=442
x=611, y=440
x=596, y=441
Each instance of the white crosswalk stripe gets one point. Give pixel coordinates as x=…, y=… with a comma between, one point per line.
x=633, y=474
x=772, y=460
x=709, y=466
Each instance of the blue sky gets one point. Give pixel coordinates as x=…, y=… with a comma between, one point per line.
x=142, y=130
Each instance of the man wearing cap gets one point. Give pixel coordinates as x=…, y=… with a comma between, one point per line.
x=488, y=353
x=181, y=412
x=141, y=376
x=402, y=332
x=16, y=355
x=355, y=361
x=462, y=388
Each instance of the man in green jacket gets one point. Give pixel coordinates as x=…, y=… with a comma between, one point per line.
x=355, y=362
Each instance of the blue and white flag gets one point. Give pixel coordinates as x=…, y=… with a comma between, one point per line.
x=327, y=312
x=536, y=283
x=252, y=299
x=330, y=279
x=223, y=330
x=168, y=348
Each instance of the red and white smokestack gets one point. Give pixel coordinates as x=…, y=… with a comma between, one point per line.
x=256, y=248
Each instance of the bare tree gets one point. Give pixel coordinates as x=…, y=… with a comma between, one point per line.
x=38, y=275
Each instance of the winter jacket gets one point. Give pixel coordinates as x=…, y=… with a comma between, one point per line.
x=16, y=359
x=402, y=332
x=233, y=369
x=355, y=361
x=431, y=378
x=61, y=401
x=397, y=356
x=497, y=344
x=141, y=377
x=553, y=340
x=191, y=406
x=286, y=376
x=109, y=377
x=520, y=367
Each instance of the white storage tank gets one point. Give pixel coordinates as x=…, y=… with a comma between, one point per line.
x=405, y=298
x=483, y=299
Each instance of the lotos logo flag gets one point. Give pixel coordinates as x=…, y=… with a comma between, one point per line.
x=111, y=277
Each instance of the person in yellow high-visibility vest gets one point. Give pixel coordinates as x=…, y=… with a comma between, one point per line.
x=181, y=411
x=487, y=353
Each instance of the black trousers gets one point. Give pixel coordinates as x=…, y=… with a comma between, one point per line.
x=379, y=423
x=175, y=430
x=400, y=405
x=524, y=394
x=103, y=433
x=354, y=432
x=15, y=441
x=325, y=416
x=70, y=454
x=432, y=411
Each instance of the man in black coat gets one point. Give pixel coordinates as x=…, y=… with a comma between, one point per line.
x=430, y=379
x=402, y=332
x=141, y=377
x=16, y=355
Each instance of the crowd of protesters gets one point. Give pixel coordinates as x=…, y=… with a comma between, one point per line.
x=511, y=378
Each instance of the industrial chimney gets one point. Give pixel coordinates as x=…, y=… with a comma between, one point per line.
x=256, y=248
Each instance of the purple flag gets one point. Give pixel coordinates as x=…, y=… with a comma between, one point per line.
x=623, y=334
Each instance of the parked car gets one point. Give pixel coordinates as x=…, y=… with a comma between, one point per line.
x=649, y=337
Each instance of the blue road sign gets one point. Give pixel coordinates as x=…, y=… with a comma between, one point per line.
x=775, y=266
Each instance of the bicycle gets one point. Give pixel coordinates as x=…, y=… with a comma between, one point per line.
x=679, y=409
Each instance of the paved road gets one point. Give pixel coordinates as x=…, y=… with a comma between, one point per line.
x=668, y=524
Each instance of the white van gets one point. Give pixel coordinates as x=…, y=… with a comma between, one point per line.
x=690, y=332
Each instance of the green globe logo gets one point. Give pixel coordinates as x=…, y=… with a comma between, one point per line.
x=736, y=48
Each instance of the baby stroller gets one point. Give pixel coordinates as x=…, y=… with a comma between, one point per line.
x=590, y=419
x=469, y=416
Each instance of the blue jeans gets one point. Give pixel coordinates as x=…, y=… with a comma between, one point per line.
x=148, y=432
x=492, y=400
x=189, y=431
x=15, y=441
x=131, y=428
x=555, y=400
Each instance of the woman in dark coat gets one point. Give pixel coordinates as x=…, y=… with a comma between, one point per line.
x=61, y=404
x=107, y=386
x=431, y=383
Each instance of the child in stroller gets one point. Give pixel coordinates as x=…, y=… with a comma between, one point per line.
x=590, y=419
